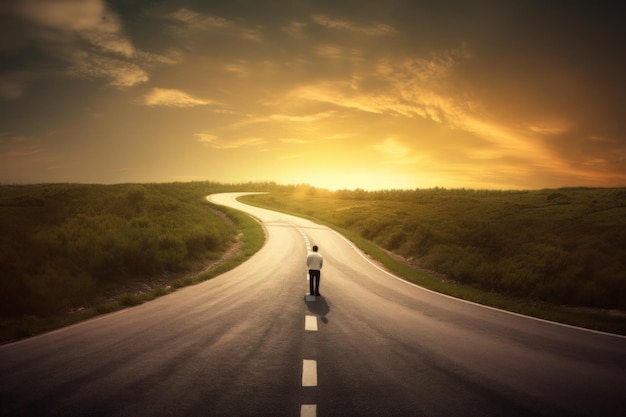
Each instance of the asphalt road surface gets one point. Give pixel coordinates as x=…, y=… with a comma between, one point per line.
x=248, y=343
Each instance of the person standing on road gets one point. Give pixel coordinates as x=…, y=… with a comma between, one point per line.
x=314, y=261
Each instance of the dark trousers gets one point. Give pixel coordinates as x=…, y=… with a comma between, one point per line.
x=314, y=281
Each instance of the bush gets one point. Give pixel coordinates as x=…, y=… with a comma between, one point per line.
x=81, y=240
x=130, y=300
x=565, y=246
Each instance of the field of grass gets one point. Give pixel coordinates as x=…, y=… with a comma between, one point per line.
x=91, y=249
x=558, y=254
x=70, y=251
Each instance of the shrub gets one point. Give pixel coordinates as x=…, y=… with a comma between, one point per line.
x=563, y=246
x=130, y=300
x=79, y=240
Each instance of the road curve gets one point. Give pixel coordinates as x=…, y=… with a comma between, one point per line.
x=248, y=343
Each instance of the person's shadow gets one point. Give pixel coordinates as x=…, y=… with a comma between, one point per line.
x=319, y=307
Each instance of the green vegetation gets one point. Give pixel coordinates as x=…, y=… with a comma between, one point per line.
x=69, y=251
x=557, y=254
x=92, y=249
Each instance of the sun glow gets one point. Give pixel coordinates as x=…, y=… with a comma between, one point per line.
x=319, y=96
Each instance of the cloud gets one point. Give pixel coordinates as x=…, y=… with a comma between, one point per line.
x=217, y=142
x=378, y=29
x=554, y=127
x=411, y=87
x=295, y=29
x=391, y=148
x=294, y=141
x=195, y=22
x=417, y=88
x=87, y=19
x=337, y=94
x=308, y=118
x=173, y=98
x=337, y=52
x=120, y=73
x=241, y=69
x=394, y=152
x=83, y=35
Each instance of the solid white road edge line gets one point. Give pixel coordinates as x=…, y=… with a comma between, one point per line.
x=360, y=252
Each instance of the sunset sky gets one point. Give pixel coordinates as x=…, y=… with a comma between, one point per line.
x=368, y=94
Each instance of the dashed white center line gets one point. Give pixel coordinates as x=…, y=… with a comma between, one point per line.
x=309, y=367
x=309, y=373
x=310, y=323
x=308, y=410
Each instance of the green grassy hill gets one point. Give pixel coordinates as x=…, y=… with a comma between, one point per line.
x=563, y=247
x=96, y=248
x=69, y=251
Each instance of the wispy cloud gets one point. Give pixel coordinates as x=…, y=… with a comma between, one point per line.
x=294, y=141
x=333, y=93
x=346, y=25
x=395, y=152
x=307, y=118
x=86, y=35
x=173, y=98
x=391, y=148
x=295, y=29
x=218, y=142
x=199, y=22
x=88, y=19
x=120, y=73
x=241, y=69
x=417, y=88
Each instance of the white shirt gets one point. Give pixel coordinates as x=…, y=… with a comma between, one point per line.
x=314, y=260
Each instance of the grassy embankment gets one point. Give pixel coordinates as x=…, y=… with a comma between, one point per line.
x=69, y=252
x=554, y=254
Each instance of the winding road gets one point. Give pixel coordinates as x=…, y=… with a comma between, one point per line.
x=250, y=343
